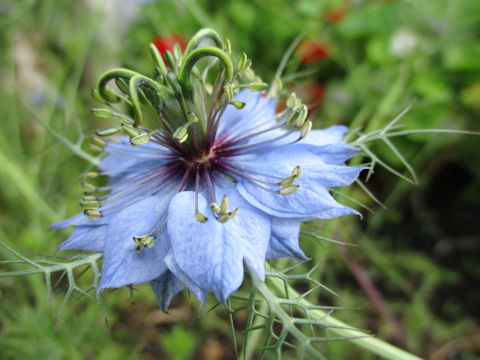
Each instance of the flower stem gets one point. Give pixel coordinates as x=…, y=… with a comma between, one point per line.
x=369, y=343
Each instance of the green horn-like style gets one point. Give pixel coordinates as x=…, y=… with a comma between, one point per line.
x=189, y=62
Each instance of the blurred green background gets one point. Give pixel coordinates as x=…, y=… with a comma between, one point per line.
x=414, y=276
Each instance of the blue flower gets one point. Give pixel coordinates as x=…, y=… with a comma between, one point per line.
x=194, y=208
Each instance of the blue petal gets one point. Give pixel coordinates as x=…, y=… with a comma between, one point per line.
x=122, y=265
x=86, y=238
x=312, y=199
x=183, y=278
x=122, y=157
x=78, y=220
x=335, y=154
x=211, y=254
x=257, y=114
x=284, y=240
x=332, y=135
x=165, y=287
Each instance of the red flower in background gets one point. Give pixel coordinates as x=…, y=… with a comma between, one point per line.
x=164, y=43
x=311, y=51
x=335, y=15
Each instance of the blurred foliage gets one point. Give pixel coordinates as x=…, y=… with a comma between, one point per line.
x=421, y=255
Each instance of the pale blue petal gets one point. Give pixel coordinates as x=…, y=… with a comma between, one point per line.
x=122, y=265
x=165, y=287
x=257, y=114
x=312, y=199
x=335, y=154
x=284, y=240
x=86, y=238
x=122, y=157
x=78, y=220
x=332, y=135
x=182, y=277
x=211, y=254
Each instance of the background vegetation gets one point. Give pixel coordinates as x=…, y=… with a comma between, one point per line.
x=413, y=278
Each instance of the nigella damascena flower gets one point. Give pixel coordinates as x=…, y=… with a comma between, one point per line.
x=217, y=184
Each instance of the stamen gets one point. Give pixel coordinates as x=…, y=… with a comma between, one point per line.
x=200, y=217
x=287, y=190
x=146, y=241
x=93, y=214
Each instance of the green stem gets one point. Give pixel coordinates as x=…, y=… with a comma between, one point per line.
x=370, y=343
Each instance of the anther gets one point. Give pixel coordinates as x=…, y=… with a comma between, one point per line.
x=88, y=188
x=224, y=205
x=200, y=217
x=99, y=142
x=215, y=208
x=242, y=62
x=288, y=181
x=297, y=171
x=103, y=113
x=140, y=139
x=192, y=117
x=287, y=190
x=238, y=104
x=91, y=175
x=96, y=95
x=276, y=87
x=227, y=46
x=225, y=217
x=293, y=101
x=228, y=92
x=249, y=74
x=181, y=134
x=302, y=116
x=107, y=131
x=146, y=241
x=94, y=147
x=130, y=130
x=257, y=86
x=305, y=129
x=93, y=214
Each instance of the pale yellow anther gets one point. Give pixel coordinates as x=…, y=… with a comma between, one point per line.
x=201, y=217
x=228, y=92
x=292, y=101
x=288, y=181
x=224, y=205
x=130, y=130
x=94, y=147
x=91, y=175
x=214, y=207
x=275, y=88
x=297, y=171
x=140, y=139
x=88, y=188
x=103, y=113
x=302, y=116
x=146, y=241
x=242, y=62
x=238, y=104
x=305, y=129
x=225, y=217
x=181, y=134
x=107, y=131
x=93, y=214
x=287, y=190
x=249, y=74
x=99, y=142
x=227, y=46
